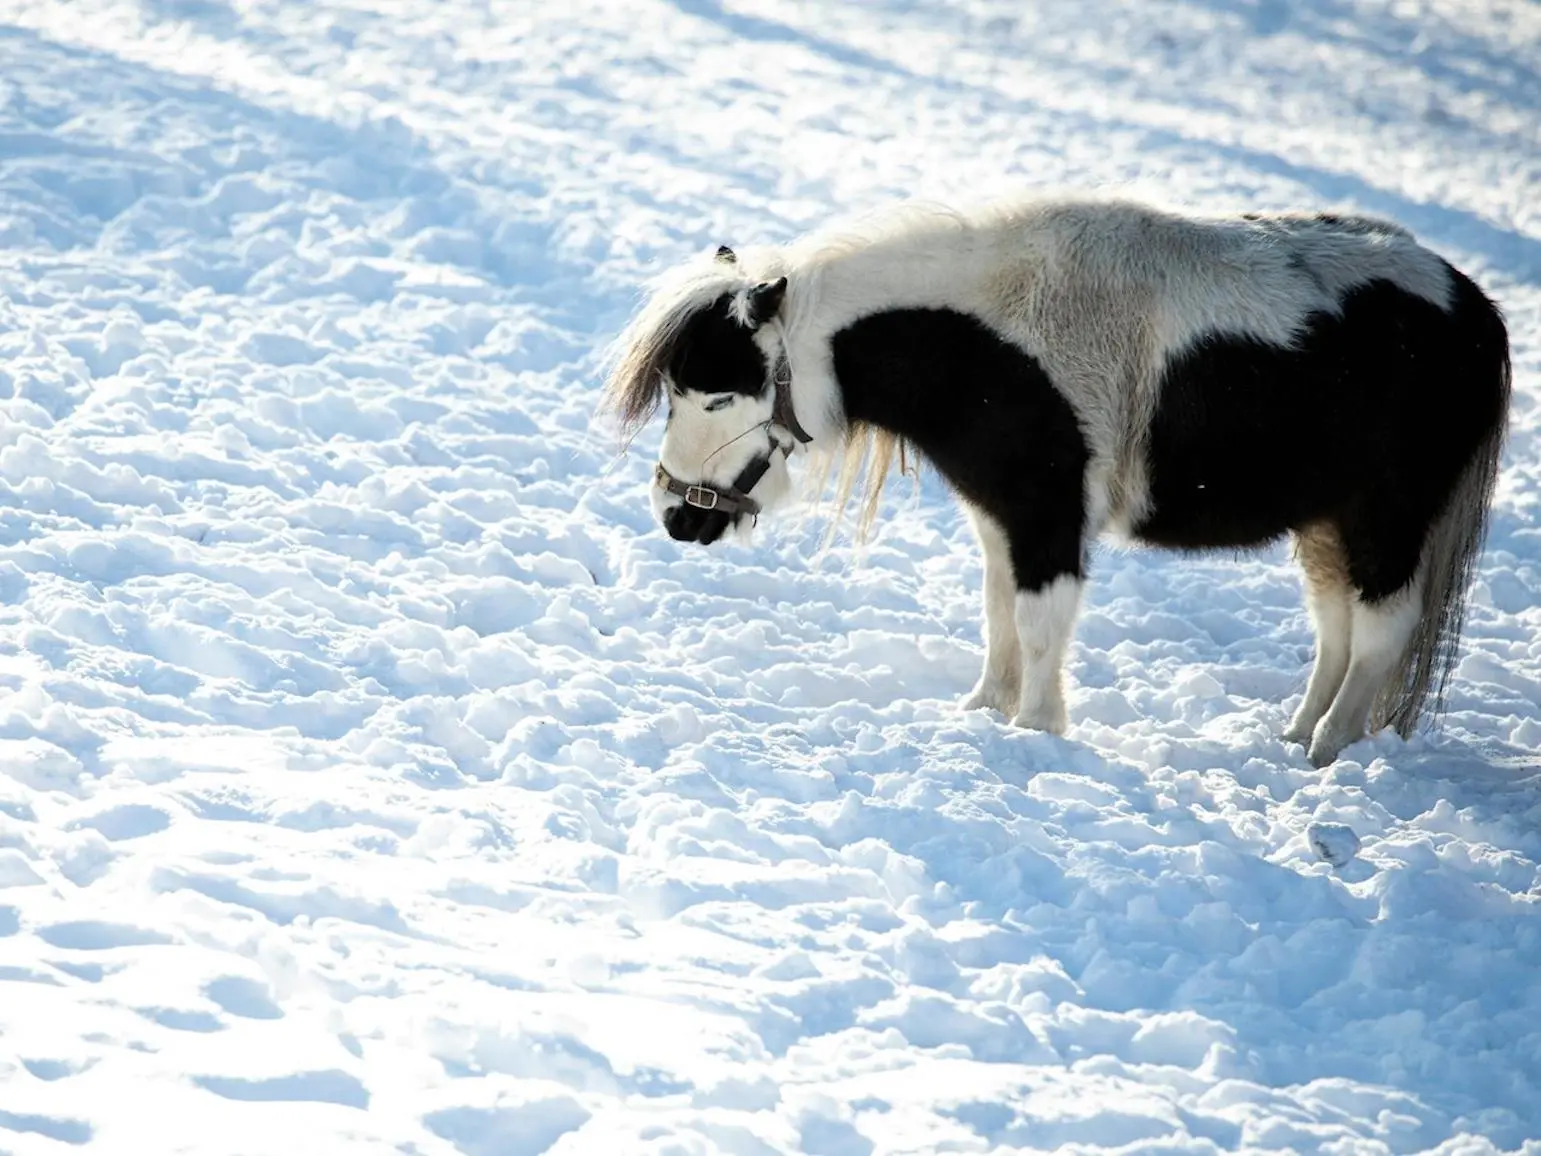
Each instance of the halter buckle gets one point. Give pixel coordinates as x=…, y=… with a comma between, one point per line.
x=697, y=496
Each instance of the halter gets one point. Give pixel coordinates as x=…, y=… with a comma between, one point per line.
x=735, y=499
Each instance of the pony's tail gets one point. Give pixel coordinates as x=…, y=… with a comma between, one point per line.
x=1449, y=559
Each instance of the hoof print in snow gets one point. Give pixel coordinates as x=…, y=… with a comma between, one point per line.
x=1333, y=842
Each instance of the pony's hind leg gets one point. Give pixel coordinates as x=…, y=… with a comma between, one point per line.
x=1381, y=633
x=1045, y=622
x=1329, y=598
x=1383, y=538
x=999, y=686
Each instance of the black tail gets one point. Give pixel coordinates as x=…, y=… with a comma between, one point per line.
x=1455, y=540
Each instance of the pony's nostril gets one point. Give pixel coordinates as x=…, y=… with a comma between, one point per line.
x=688, y=524
x=712, y=527
x=682, y=523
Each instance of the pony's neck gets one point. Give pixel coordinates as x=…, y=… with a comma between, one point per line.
x=838, y=288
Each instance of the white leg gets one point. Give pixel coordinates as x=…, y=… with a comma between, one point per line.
x=1381, y=633
x=1045, y=622
x=1000, y=683
x=1329, y=597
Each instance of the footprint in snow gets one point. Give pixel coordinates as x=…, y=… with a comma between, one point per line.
x=243, y=997
x=129, y=821
x=328, y=1087
x=98, y=935
x=54, y=1127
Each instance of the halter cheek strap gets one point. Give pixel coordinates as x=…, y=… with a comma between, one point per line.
x=782, y=413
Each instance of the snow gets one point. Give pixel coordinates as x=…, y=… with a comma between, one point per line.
x=376, y=777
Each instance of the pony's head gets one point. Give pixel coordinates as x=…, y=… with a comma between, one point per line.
x=709, y=342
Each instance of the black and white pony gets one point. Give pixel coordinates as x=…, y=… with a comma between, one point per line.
x=1078, y=366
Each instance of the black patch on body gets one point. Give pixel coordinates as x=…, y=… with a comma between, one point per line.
x=984, y=412
x=1367, y=424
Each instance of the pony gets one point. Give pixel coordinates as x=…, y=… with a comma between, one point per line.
x=1079, y=366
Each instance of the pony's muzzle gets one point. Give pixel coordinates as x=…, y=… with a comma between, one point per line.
x=691, y=523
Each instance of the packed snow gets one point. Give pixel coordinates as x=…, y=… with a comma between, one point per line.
x=375, y=776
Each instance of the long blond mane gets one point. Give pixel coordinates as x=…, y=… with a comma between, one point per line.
x=859, y=467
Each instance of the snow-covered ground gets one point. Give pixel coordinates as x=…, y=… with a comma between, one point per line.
x=375, y=777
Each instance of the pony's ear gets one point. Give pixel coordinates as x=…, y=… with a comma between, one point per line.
x=726, y=255
x=765, y=300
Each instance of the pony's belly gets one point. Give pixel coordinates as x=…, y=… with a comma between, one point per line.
x=1206, y=520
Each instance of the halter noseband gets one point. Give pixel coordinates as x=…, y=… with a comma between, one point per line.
x=732, y=500
x=735, y=499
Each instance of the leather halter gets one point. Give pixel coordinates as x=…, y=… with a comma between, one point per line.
x=781, y=407
x=734, y=499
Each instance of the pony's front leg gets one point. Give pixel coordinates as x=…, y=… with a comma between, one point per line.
x=999, y=685
x=1045, y=622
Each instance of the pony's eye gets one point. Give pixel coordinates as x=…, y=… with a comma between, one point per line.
x=719, y=403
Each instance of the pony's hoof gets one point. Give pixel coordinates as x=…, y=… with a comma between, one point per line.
x=1050, y=720
x=1325, y=746
x=991, y=696
x=1298, y=732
